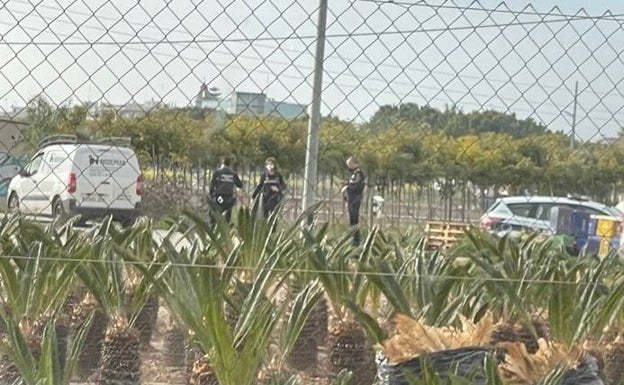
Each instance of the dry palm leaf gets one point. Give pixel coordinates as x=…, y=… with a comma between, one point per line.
x=414, y=337
x=521, y=367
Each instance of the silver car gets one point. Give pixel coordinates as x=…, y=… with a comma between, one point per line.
x=533, y=213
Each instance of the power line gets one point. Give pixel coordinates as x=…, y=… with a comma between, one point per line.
x=567, y=17
x=385, y=91
x=221, y=40
x=344, y=60
x=462, y=93
x=607, y=16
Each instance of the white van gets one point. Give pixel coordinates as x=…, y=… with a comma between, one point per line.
x=68, y=176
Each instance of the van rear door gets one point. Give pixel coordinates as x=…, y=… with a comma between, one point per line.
x=107, y=178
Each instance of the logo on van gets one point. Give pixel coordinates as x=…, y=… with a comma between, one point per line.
x=106, y=162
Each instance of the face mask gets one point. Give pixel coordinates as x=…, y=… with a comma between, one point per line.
x=270, y=167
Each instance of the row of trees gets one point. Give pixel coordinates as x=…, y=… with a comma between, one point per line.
x=406, y=144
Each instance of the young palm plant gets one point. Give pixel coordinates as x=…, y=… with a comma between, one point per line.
x=420, y=283
x=313, y=331
x=521, y=278
x=88, y=307
x=306, y=321
x=195, y=282
x=147, y=319
x=510, y=270
x=174, y=345
x=413, y=281
x=104, y=274
x=585, y=297
x=351, y=328
x=513, y=276
x=36, y=271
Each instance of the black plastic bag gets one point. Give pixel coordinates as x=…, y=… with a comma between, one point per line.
x=469, y=362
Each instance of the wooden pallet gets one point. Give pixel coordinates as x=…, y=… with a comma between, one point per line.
x=442, y=235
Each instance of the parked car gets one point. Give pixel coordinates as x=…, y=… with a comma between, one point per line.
x=68, y=176
x=533, y=213
x=9, y=167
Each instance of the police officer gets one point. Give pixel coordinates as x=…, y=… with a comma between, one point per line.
x=271, y=186
x=222, y=185
x=353, y=191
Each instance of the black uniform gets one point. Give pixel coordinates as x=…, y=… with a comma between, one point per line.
x=270, y=198
x=222, y=186
x=353, y=194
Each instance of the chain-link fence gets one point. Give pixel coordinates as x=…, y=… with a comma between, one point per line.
x=446, y=105
x=129, y=108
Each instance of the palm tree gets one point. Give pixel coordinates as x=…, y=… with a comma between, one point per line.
x=104, y=273
x=36, y=274
x=419, y=282
x=580, y=297
x=196, y=281
x=312, y=333
x=351, y=328
x=305, y=324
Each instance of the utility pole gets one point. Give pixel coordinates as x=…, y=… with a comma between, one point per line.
x=311, y=162
x=573, y=133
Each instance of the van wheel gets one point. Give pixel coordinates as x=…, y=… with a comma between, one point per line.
x=14, y=203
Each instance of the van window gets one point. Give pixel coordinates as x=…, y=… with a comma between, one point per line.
x=33, y=166
x=588, y=210
x=543, y=211
x=523, y=209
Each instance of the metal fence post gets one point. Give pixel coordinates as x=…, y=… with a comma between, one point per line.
x=311, y=162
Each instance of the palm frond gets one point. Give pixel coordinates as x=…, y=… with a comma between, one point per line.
x=415, y=337
x=195, y=281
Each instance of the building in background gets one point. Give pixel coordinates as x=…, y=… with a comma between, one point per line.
x=258, y=104
x=11, y=138
x=285, y=110
x=12, y=123
x=208, y=98
x=246, y=103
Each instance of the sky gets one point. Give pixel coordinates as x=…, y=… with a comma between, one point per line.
x=510, y=56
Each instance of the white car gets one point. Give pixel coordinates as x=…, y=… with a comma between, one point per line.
x=68, y=176
x=533, y=213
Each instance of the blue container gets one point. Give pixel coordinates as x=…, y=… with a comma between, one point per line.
x=593, y=245
x=615, y=243
x=579, y=224
x=591, y=226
